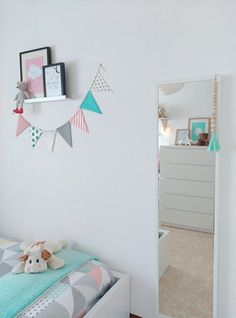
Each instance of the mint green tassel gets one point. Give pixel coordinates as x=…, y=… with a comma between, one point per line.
x=214, y=143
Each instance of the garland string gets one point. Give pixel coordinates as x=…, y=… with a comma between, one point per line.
x=214, y=144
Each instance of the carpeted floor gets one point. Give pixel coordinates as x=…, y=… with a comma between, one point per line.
x=186, y=286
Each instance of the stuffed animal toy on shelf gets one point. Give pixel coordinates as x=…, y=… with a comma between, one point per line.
x=20, y=97
x=37, y=257
x=203, y=139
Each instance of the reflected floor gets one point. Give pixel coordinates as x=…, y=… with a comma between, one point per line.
x=186, y=286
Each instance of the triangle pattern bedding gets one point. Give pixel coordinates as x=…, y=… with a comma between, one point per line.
x=71, y=296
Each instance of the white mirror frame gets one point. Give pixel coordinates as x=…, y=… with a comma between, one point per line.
x=217, y=184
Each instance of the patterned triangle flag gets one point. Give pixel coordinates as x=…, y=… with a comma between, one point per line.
x=100, y=84
x=79, y=121
x=90, y=103
x=35, y=134
x=21, y=125
x=65, y=132
x=49, y=137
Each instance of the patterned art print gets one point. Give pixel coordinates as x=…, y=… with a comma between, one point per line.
x=31, y=63
x=34, y=76
x=54, y=81
x=197, y=126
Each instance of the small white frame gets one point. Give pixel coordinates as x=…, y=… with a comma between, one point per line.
x=116, y=302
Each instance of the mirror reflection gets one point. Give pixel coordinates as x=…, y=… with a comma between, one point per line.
x=186, y=200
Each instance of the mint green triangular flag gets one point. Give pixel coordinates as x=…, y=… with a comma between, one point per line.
x=214, y=143
x=90, y=103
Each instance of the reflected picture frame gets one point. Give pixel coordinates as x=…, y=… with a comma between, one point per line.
x=181, y=136
x=197, y=126
x=31, y=69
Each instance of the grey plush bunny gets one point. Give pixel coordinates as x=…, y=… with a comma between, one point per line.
x=20, y=97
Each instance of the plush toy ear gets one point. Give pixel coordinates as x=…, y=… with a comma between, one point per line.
x=23, y=258
x=46, y=254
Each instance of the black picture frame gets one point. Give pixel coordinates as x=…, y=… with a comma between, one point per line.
x=54, y=84
x=33, y=61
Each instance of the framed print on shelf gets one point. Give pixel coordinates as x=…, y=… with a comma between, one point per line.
x=54, y=80
x=181, y=137
x=197, y=126
x=31, y=69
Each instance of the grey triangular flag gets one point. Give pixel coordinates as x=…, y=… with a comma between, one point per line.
x=65, y=132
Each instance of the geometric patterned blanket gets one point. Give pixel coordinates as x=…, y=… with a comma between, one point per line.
x=72, y=297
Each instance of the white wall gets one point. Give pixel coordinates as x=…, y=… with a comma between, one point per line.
x=102, y=192
x=192, y=101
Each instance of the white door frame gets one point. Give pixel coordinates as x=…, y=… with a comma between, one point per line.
x=217, y=194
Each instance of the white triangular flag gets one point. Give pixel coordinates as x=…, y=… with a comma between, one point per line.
x=49, y=138
x=100, y=85
x=35, y=134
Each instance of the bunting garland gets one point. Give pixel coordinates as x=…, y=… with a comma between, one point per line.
x=99, y=84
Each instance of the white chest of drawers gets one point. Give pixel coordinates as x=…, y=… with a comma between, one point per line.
x=187, y=187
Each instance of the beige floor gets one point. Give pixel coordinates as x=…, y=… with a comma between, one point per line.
x=186, y=286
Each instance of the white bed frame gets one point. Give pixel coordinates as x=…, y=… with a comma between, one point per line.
x=164, y=251
x=116, y=302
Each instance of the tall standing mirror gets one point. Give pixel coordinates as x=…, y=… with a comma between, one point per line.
x=186, y=199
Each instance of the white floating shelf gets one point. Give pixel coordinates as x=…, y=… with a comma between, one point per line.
x=45, y=99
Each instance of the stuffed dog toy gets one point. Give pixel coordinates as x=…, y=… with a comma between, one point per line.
x=38, y=256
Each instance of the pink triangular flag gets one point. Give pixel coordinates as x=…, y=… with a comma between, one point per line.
x=79, y=121
x=22, y=125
